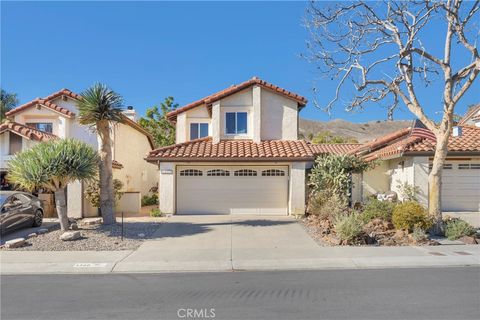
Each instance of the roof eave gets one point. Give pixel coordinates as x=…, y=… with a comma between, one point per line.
x=224, y=159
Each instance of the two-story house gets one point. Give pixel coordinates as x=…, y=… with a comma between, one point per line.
x=237, y=152
x=55, y=117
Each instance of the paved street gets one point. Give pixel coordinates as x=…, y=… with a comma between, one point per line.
x=436, y=293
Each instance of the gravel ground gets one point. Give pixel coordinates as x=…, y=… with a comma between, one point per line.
x=312, y=230
x=96, y=238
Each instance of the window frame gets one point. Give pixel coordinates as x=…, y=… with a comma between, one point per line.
x=191, y=173
x=236, y=133
x=245, y=173
x=273, y=173
x=218, y=173
x=34, y=125
x=199, y=130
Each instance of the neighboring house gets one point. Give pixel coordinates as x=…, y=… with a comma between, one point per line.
x=472, y=117
x=237, y=152
x=406, y=156
x=55, y=117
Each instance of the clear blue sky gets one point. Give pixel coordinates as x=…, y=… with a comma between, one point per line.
x=149, y=50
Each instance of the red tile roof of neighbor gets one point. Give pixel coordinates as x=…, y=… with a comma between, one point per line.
x=470, y=114
x=334, y=148
x=42, y=102
x=402, y=143
x=65, y=92
x=234, y=89
x=25, y=131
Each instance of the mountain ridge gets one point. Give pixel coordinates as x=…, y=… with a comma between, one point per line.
x=362, y=132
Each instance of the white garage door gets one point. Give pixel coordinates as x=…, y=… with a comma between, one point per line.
x=232, y=190
x=461, y=187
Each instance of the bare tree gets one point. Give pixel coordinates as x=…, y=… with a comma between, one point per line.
x=378, y=47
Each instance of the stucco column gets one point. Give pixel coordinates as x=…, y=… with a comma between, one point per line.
x=297, y=187
x=166, y=188
x=216, y=128
x=420, y=178
x=181, y=128
x=257, y=113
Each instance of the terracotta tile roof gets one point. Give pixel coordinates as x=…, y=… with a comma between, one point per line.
x=227, y=150
x=63, y=92
x=234, y=89
x=334, y=148
x=27, y=132
x=470, y=114
x=41, y=102
x=380, y=142
x=468, y=141
x=476, y=118
x=116, y=165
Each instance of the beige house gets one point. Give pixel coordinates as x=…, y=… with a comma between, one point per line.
x=54, y=117
x=237, y=152
x=405, y=156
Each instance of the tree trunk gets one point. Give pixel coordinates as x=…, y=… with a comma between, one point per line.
x=435, y=185
x=107, y=199
x=61, y=205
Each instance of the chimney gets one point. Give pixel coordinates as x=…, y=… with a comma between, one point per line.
x=130, y=113
x=457, y=131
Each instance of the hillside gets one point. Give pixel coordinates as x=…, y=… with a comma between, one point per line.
x=361, y=131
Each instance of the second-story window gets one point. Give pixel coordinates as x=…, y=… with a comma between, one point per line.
x=198, y=130
x=42, y=126
x=236, y=123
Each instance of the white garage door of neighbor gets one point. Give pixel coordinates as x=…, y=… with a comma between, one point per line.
x=461, y=187
x=232, y=190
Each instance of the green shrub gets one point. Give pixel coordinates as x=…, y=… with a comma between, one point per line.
x=408, y=215
x=378, y=209
x=156, y=213
x=349, y=227
x=92, y=191
x=327, y=206
x=458, y=228
x=150, y=200
x=419, y=234
x=333, y=173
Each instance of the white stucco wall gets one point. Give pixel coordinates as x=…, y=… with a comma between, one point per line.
x=167, y=187
x=238, y=102
x=375, y=181
x=131, y=147
x=296, y=204
x=279, y=117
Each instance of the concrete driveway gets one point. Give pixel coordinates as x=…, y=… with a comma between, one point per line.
x=212, y=242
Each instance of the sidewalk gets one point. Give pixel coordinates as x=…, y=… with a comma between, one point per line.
x=36, y=262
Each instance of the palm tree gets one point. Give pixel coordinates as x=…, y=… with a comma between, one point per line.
x=99, y=108
x=52, y=166
x=7, y=102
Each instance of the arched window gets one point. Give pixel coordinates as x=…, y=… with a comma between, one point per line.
x=273, y=173
x=245, y=173
x=191, y=173
x=218, y=173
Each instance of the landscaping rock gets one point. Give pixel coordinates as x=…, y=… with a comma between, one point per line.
x=42, y=231
x=15, y=243
x=91, y=221
x=32, y=235
x=70, y=235
x=74, y=226
x=468, y=240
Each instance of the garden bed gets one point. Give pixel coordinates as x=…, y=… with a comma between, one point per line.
x=94, y=238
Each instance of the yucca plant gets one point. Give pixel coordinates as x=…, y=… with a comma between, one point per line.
x=99, y=108
x=52, y=166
